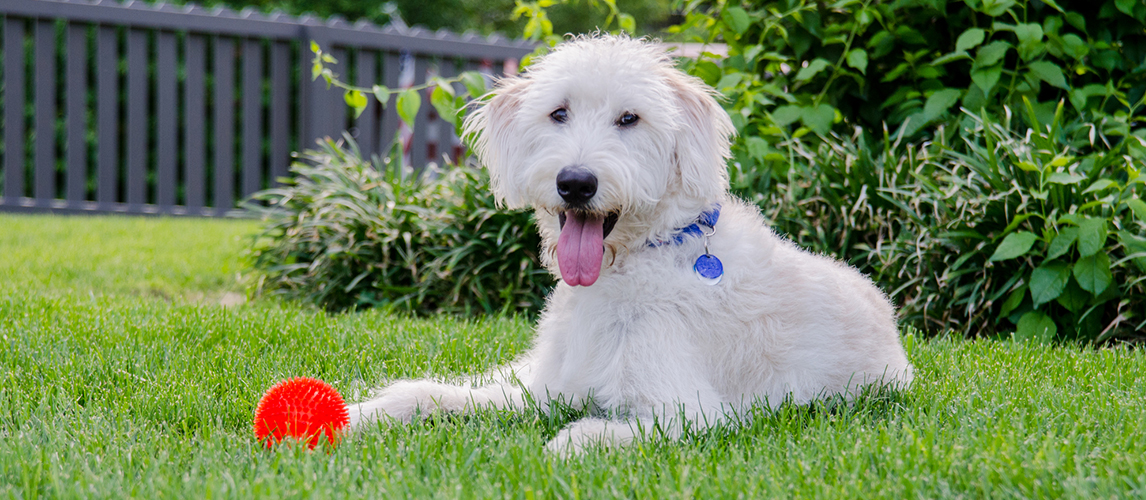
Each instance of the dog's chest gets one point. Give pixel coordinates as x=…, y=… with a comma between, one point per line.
x=625, y=339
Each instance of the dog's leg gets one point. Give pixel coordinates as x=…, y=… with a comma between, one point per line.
x=590, y=432
x=404, y=399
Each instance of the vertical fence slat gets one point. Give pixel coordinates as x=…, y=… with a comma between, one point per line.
x=224, y=123
x=366, y=76
x=107, y=110
x=76, y=101
x=195, y=117
x=45, y=124
x=447, y=136
x=14, y=98
x=166, y=115
x=391, y=75
x=252, y=116
x=418, y=141
x=314, y=121
x=137, y=97
x=306, y=94
x=280, y=83
x=338, y=106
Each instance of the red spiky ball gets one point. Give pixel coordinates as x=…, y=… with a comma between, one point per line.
x=302, y=408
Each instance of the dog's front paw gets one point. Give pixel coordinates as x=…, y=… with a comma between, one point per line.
x=400, y=401
x=583, y=435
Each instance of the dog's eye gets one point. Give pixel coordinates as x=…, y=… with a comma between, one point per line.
x=560, y=115
x=627, y=119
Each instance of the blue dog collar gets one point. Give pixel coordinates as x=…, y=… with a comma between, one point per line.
x=707, y=267
x=707, y=219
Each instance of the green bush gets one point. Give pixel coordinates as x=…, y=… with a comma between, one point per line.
x=811, y=66
x=1041, y=232
x=866, y=132
x=343, y=234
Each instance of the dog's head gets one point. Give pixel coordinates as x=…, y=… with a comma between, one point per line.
x=608, y=142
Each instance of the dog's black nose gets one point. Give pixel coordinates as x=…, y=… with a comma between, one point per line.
x=576, y=185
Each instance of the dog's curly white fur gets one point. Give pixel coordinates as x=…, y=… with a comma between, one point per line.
x=639, y=334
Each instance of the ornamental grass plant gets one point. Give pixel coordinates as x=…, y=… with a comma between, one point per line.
x=342, y=234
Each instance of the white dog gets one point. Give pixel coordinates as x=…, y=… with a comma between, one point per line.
x=676, y=300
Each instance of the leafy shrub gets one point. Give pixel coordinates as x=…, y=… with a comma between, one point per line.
x=809, y=66
x=1043, y=233
x=343, y=234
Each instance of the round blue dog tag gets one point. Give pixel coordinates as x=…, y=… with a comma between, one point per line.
x=709, y=269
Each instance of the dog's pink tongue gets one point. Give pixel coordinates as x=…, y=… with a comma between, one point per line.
x=580, y=248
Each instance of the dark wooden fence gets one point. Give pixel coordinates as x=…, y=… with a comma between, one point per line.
x=183, y=110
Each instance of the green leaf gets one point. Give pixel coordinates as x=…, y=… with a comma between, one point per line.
x=758, y=148
x=1048, y=281
x=442, y=101
x=1062, y=242
x=1126, y=6
x=986, y=78
x=954, y=56
x=1015, y=222
x=814, y=67
x=408, y=104
x=729, y=81
x=991, y=53
x=1036, y=326
x=1100, y=185
x=857, y=59
x=737, y=19
x=1065, y=178
x=940, y=102
x=1075, y=46
x=1048, y=72
x=1014, y=245
x=970, y=39
x=1134, y=245
x=627, y=23
x=1014, y=300
x=314, y=47
x=382, y=94
x=1138, y=207
x=1091, y=236
x=1029, y=33
x=1028, y=166
x=995, y=8
x=1077, y=20
x=1093, y=273
x=1073, y=298
x=819, y=118
x=786, y=115
x=707, y=71
x=356, y=100
x=474, y=83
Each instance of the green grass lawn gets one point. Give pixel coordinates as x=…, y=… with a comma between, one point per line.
x=122, y=376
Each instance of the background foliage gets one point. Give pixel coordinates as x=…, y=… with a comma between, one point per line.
x=1035, y=231
x=953, y=149
x=797, y=67
x=344, y=234
x=981, y=160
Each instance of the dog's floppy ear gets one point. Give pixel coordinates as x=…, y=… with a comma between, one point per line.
x=703, y=139
x=492, y=131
